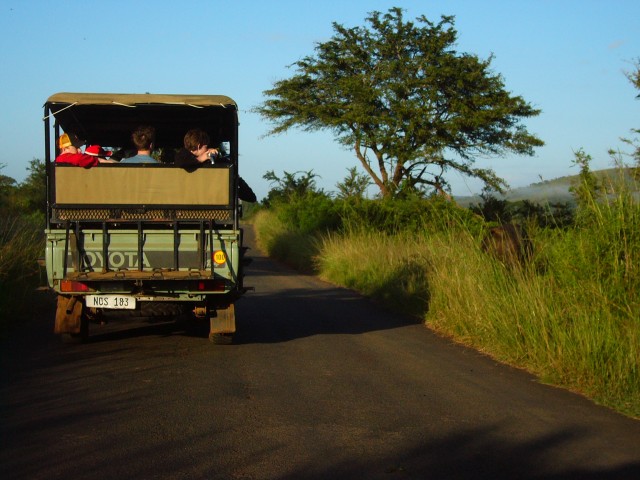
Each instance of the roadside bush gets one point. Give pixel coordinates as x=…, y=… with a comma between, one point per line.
x=314, y=212
x=410, y=215
x=279, y=241
x=21, y=243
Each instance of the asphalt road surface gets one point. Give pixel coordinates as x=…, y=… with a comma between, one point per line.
x=320, y=384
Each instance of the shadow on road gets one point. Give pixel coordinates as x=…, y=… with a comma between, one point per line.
x=476, y=454
x=266, y=318
x=287, y=305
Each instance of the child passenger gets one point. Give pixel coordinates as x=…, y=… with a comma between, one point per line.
x=71, y=154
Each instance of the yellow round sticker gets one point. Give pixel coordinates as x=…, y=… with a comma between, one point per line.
x=219, y=257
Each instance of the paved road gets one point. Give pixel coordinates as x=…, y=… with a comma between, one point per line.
x=320, y=384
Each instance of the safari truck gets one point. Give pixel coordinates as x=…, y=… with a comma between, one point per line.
x=143, y=238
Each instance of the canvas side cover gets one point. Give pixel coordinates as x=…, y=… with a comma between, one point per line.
x=123, y=185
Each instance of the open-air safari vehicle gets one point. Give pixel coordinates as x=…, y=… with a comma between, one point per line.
x=152, y=238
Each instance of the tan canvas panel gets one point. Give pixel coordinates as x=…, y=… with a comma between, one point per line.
x=139, y=99
x=124, y=185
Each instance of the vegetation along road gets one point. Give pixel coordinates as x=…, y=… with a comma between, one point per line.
x=320, y=383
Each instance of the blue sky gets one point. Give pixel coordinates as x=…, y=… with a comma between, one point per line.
x=566, y=57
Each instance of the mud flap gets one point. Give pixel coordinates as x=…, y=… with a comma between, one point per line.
x=68, y=315
x=224, y=321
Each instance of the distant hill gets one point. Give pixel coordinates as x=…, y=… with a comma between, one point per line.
x=554, y=191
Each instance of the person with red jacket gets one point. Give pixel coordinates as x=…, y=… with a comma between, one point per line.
x=70, y=154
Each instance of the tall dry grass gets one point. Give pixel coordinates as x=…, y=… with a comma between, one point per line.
x=561, y=328
x=571, y=315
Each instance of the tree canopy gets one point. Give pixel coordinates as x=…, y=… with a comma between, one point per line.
x=410, y=105
x=28, y=196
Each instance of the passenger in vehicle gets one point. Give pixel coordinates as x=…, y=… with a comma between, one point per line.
x=70, y=154
x=143, y=138
x=196, y=152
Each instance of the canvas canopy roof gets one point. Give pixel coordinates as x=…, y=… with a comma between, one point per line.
x=139, y=99
x=108, y=119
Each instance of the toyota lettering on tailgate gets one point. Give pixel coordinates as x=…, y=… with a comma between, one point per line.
x=129, y=259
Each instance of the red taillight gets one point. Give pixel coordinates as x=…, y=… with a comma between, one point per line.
x=208, y=286
x=71, y=286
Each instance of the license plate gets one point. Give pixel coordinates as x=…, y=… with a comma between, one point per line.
x=126, y=302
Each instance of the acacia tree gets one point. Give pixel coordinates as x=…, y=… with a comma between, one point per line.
x=411, y=106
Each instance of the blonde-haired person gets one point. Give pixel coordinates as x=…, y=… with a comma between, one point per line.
x=70, y=154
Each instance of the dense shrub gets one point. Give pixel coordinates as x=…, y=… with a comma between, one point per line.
x=308, y=214
x=21, y=244
x=411, y=215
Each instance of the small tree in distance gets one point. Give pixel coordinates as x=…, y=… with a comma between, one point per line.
x=31, y=192
x=7, y=189
x=354, y=185
x=290, y=185
x=411, y=106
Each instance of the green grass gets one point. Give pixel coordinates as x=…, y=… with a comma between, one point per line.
x=21, y=243
x=390, y=268
x=293, y=248
x=571, y=316
x=562, y=329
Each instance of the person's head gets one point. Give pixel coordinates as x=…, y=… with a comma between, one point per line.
x=144, y=137
x=195, y=139
x=197, y=142
x=67, y=143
